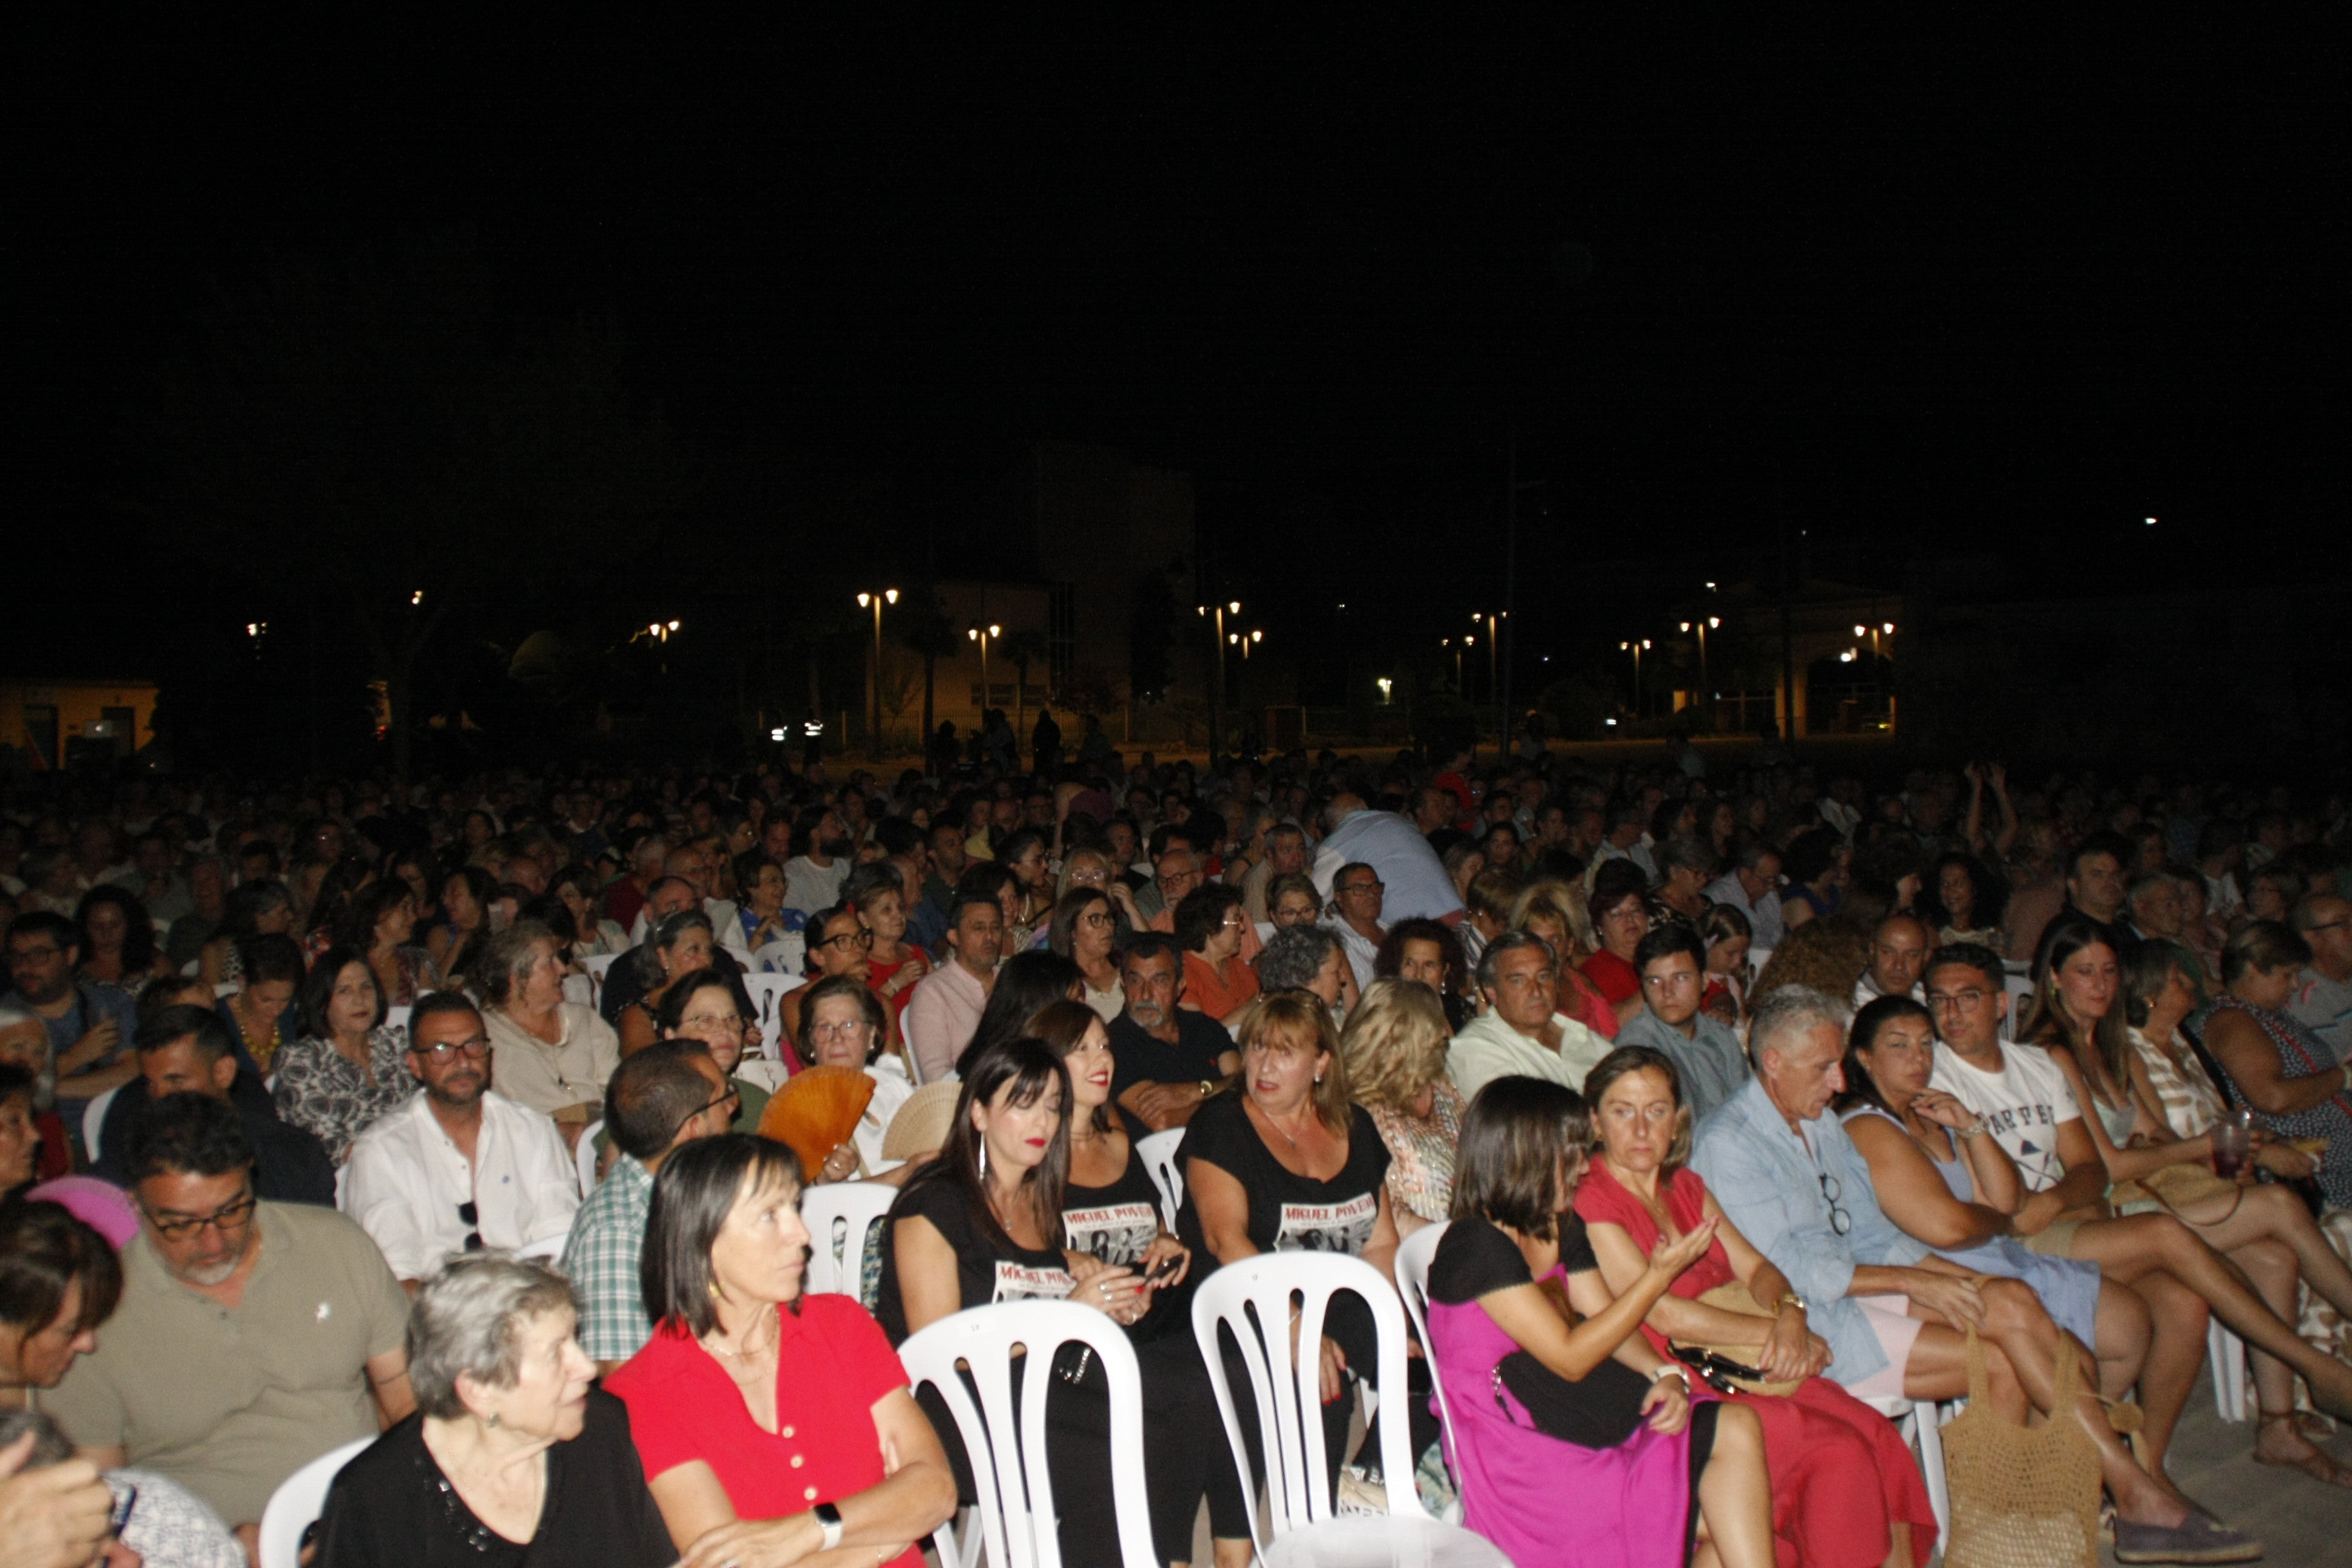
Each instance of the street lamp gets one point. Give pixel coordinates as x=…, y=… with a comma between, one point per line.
x=1635, y=649
x=983, y=635
x=1218, y=641
x=1384, y=683
x=874, y=730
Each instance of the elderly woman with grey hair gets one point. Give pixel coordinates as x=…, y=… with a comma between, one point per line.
x=552, y=1055
x=512, y=1457
x=1309, y=958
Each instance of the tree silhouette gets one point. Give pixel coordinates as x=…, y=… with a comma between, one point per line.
x=390, y=446
x=924, y=627
x=1024, y=648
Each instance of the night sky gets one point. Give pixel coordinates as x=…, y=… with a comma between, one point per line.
x=1941, y=289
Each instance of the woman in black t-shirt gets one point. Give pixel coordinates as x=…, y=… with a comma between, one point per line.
x=982, y=1223
x=1289, y=1165
x=1111, y=1210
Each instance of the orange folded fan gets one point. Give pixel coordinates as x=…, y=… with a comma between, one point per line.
x=815, y=1112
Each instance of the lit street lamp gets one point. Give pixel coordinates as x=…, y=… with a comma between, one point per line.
x=1635, y=649
x=983, y=635
x=1217, y=644
x=874, y=731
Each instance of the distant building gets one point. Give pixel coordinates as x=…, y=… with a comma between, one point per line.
x=50, y=720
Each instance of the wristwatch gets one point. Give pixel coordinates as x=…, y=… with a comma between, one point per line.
x=829, y=1518
x=1790, y=1298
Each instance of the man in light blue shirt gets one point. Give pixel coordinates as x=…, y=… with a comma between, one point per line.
x=1790, y=1181
x=1672, y=963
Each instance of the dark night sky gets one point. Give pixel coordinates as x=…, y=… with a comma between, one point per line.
x=1940, y=288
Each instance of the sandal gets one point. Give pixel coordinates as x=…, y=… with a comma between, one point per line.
x=2316, y=1464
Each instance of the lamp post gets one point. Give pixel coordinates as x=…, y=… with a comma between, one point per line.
x=1700, y=627
x=874, y=730
x=1494, y=680
x=1635, y=649
x=1215, y=614
x=983, y=635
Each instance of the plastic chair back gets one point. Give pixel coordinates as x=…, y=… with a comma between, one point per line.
x=1158, y=1152
x=93, y=1119
x=546, y=1249
x=859, y=1205
x=767, y=992
x=785, y=955
x=397, y=1018
x=598, y=967
x=1015, y=1526
x=1260, y=1290
x=584, y=1152
x=299, y=1500
x=1413, y=1260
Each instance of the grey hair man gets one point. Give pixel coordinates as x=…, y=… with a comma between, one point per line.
x=1523, y=1032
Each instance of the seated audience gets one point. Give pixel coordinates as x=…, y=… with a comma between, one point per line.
x=377, y=924
x=549, y=1054
x=90, y=1026
x=1358, y=901
x=1961, y=901
x=2294, y=1082
x=163, y=1524
x=1898, y=956
x=1308, y=957
x=252, y=1336
x=1844, y=1488
x=678, y=945
x=457, y=945
x=1594, y=1450
x=709, y=1007
x=2031, y=1099
x=1411, y=878
x=893, y=964
x=1752, y=887
x=25, y=1047
x=260, y=1012
x=1430, y=952
x=1169, y=1059
x=511, y=1454
x=117, y=940
x=1708, y=1056
x=1209, y=925
x=344, y=1074
x=1291, y=899
x=835, y=942
x=748, y=1459
x=1394, y=1049
x=188, y=1050
x=1110, y=1212
x=1289, y=1163
x=1620, y=905
x=1086, y=930
x=667, y=1096
x=1787, y=1175
x=1522, y=1030
x=460, y=1167
x=944, y=1012
x=845, y=1029
x=1815, y=864
x=1556, y=911
x=1487, y=910
x=1723, y=993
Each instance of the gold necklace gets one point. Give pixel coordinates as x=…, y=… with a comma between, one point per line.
x=745, y=1357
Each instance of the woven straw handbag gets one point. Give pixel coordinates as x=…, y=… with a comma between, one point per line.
x=2022, y=1496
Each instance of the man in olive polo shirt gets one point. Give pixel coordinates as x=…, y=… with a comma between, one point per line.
x=252, y=1338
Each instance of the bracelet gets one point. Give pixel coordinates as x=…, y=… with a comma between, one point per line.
x=1678, y=1370
x=1976, y=1131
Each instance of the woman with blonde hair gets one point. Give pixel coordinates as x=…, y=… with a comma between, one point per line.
x=1556, y=912
x=1394, y=1052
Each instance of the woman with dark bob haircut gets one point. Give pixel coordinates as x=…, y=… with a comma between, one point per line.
x=982, y=1223
x=750, y=1456
x=1574, y=1440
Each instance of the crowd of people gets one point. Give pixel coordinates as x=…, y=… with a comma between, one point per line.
x=452, y=1120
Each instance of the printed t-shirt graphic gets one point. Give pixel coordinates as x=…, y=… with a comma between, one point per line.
x=1344, y=1226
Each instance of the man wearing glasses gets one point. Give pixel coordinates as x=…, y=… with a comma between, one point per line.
x=1356, y=897
x=2322, y=997
x=252, y=1337
x=458, y=1168
x=2021, y=1095
x=1672, y=961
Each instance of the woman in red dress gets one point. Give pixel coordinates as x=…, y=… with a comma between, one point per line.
x=1846, y=1490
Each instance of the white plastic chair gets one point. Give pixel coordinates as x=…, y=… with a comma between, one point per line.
x=785, y=955
x=760, y=1074
x=299, y=1500
x=2227, y=1352
x=1412, y=1259
x=579, y=988
x=585, y=1154
x=93, y=1118
x=2021, y=991
x=1299, y=1498
x=767, y=992
x=1922, y=1426
x=547, y=1248
x=1158, y=1152
x=597, y=968
x=1016, y=1523
x=858, y=1202
x=397, y=1017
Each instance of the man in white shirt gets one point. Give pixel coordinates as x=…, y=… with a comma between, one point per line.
x=944, y=1012
x=1752, y=887
x=812, y=880
x=460, y=1168
x=1355, y=920
x=1522, y=1033
x=1413, y=880
x=2322, y=997
x=1898, y=953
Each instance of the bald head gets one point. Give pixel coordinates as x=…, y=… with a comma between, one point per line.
x=1899, y=953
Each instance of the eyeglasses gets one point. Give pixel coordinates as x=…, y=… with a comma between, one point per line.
x=854, y=938
x=849, y=1031
x=1966, y=1001
x=708, y=1020
x=471, y=1216
x=227, y=1218
x=1096, y=918
x=1841, y=1222
x=733, y=1096
x=440, y=1051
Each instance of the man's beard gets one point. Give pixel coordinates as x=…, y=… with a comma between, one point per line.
x=1150, y=1015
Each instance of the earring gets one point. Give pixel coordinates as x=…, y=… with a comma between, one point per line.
x=492, y=1419
x=983, y=1160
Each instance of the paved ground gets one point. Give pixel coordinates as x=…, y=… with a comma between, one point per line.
x=2302, y=1523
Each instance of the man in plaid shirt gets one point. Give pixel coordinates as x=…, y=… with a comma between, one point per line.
x=657, y=1101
